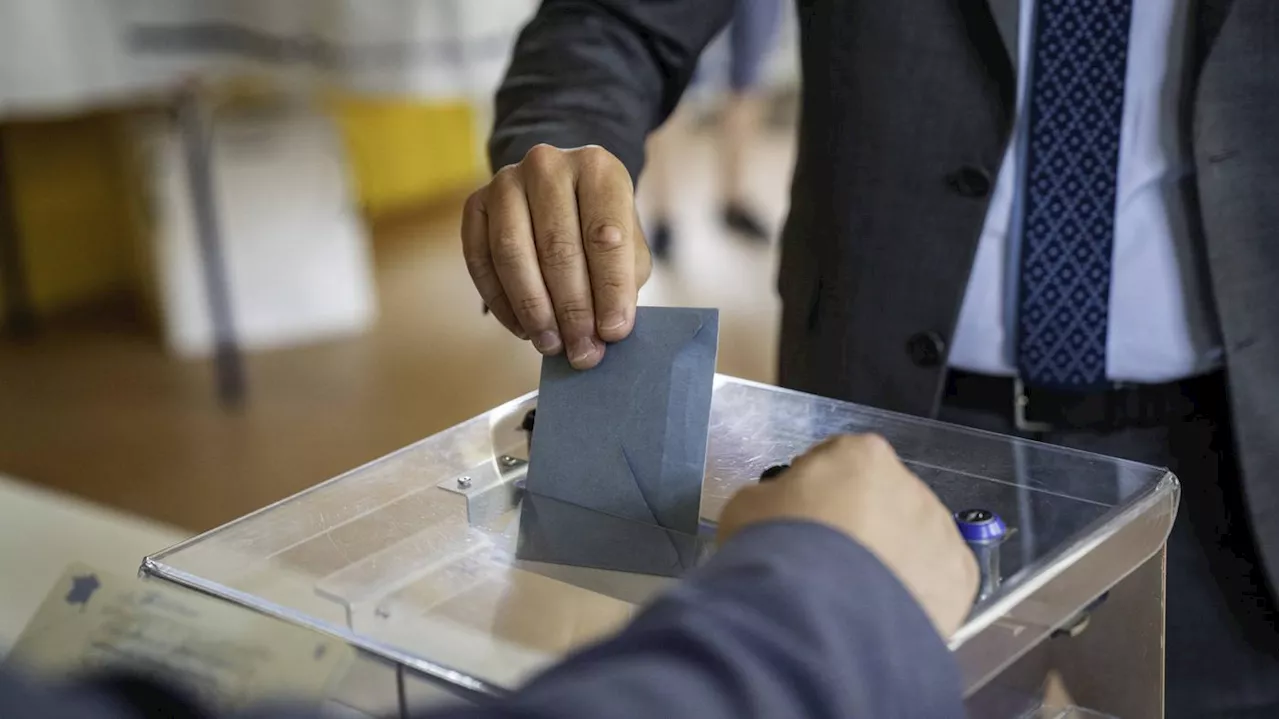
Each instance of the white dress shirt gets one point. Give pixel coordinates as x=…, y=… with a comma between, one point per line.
x=1161, y=327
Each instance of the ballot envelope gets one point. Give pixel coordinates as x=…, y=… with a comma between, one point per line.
x=453, y=582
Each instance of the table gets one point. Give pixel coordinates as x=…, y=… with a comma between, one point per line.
x=41, y=532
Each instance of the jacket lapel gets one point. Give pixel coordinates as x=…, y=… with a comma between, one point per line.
x=1007, y=16
x=1209, y=18
x=996, y=39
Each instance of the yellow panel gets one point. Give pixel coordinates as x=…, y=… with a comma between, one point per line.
x=404, y=153
x=75, y=196
x=69, y=198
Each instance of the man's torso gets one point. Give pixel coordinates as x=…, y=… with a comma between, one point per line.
x=889, y=202
x=1160, y=326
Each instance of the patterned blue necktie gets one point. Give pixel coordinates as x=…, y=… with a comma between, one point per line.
x=1076, y=96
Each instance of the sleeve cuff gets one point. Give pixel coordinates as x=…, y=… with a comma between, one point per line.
x=508, y=147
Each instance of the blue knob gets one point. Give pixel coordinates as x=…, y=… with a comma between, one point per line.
x=980, y=526
x=983, y=530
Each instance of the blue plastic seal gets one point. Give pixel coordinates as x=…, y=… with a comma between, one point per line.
x=980, y=526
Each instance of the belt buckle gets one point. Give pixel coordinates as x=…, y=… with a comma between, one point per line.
x=1020, y=402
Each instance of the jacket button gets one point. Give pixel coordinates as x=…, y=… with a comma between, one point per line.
x=970, y=181
x=926, y=349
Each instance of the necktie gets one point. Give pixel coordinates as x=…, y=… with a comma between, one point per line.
x=1076, y=101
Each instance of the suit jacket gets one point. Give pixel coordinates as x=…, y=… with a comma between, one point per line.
x=789, y=619
x=907, y=109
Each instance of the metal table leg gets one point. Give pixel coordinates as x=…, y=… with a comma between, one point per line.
x=195, y=128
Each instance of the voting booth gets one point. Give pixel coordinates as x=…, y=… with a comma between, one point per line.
x=453, y=580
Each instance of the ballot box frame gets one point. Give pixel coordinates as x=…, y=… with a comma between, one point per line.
x=1105, y=539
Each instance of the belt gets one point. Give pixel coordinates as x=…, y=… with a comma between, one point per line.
x=1122, y=405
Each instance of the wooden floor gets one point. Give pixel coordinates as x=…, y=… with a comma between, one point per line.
x=95, y=406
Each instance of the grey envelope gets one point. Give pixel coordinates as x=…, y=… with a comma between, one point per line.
x=629, y=437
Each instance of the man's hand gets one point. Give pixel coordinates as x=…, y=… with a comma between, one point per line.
x=857, y=485
x=554, y=246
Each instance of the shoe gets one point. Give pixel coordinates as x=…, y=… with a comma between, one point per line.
x=660, y=241
x=744, y=222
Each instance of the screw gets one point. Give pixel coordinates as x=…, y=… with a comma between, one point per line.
x=464, y=482
x=508, y=461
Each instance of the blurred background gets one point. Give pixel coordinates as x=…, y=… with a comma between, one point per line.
x=229, y=264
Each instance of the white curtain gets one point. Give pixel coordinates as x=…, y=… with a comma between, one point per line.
x=66, y=55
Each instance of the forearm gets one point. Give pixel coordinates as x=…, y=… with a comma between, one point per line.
x=601, y=72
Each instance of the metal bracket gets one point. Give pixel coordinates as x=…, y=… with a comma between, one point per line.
x=491, y=489
x=1076, y=625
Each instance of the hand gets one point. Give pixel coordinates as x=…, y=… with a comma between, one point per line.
x=554, y=246
x=857, y=485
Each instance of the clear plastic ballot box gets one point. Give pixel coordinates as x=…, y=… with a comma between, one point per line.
x=416, y=559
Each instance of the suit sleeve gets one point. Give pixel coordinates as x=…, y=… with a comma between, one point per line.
x=601, y=72
x=790, y=619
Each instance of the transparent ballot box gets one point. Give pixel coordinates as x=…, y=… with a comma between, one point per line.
x=436, y=565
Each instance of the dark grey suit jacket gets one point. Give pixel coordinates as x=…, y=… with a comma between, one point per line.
x=907, y=109
x=789, y=619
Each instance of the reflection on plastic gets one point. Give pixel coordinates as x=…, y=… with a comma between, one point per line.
x=557, y=532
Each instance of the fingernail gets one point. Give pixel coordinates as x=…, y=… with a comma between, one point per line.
x=547, y=342
x=612, y=321
x=581, y=350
